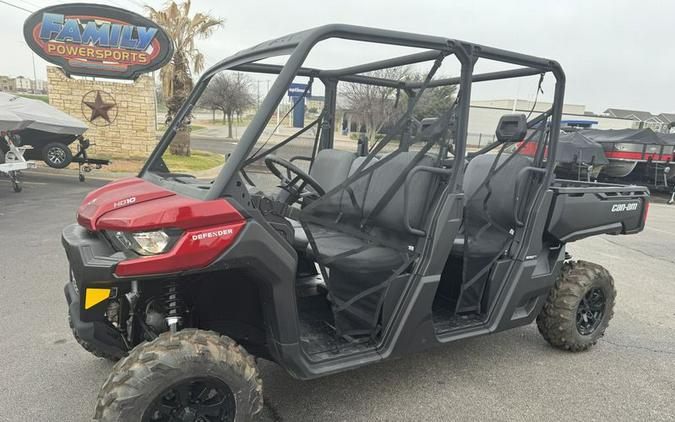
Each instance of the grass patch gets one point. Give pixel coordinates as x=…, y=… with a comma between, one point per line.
x=43, y=98
x=161, y=128
x=199, y=160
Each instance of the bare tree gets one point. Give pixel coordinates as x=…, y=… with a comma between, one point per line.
x=374, y=106
x=229, y=93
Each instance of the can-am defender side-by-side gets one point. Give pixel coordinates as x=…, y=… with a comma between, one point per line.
x=359, y=256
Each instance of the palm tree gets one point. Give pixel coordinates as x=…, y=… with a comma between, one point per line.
x=176, y=76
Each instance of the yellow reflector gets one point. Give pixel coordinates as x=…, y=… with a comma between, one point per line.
x=94, y=296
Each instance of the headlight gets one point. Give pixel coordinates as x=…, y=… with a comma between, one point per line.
x=152, y=243
x=144, y=243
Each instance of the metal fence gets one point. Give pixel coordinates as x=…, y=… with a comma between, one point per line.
x=478, y=140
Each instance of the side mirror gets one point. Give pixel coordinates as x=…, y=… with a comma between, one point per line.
x=512, y=128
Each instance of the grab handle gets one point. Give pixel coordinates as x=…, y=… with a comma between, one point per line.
x=406, y=188
x=516, y=196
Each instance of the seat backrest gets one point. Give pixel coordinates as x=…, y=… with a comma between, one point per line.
x=421, y=188
x=501, y=202
x=358, y=188
x=330, y=168
x=368, y=190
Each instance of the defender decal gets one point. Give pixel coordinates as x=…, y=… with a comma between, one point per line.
x=217, y=233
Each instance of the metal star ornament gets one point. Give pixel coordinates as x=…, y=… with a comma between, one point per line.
x=99, y=108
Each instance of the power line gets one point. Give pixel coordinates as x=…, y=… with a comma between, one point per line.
x=32, y=4
x=16, y=6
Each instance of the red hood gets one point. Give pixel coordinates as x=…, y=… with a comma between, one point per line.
x=117, y=195
x=135, y=204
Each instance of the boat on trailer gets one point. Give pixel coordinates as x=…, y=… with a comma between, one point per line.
x=634, y=152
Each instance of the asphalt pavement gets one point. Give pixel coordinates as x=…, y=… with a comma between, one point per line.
x=514, y=375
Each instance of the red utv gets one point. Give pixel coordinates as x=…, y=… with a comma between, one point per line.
x=359, y=255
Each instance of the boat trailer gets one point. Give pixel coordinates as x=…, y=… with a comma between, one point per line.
x=12, y=161
x=84, y=163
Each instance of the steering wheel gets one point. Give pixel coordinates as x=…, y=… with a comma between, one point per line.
x=296, y=184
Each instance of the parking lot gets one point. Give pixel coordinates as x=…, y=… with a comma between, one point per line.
x=515, y=375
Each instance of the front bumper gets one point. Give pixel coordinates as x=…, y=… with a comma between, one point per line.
x=92, y=259
x=92, y=265
x=99, y=335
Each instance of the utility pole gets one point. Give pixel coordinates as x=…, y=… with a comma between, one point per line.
x=34, y=73
x=258, y=96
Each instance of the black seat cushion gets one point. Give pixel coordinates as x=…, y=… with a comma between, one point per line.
x=351, y=254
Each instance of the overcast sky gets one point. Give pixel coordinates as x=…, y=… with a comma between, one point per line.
x=615, y=53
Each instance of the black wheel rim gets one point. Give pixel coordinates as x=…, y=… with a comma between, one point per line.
x=590, y=311
x=203, y=399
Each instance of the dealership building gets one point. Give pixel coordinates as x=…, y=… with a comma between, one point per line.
x=485, y=114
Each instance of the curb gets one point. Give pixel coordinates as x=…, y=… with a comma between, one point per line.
x=94, y=174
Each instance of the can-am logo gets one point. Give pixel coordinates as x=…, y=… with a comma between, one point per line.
x=215, y=233
x=96, y=40
x=625, y=207
x=124, y=202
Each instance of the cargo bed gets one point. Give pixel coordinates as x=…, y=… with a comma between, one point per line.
x=583, y=209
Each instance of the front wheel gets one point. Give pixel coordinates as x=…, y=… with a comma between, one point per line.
x=579, y=307
x=192, y=375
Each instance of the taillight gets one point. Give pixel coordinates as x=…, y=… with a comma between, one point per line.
x=644, y=215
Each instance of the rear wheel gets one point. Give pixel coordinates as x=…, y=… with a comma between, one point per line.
x=579, y=307
x=192, y=375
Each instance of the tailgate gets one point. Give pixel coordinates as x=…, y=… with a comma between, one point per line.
x=582, y=209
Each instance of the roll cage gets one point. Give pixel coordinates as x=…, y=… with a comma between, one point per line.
x=494, y=282
x=299, y=45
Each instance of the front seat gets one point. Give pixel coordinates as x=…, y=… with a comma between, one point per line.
x=330, y=168
x=359, y=269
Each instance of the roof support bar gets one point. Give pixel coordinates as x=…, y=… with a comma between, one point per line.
x=481, y=77
x=370, y=80
x=515, y=58
x=273, y=69
x=384, y=64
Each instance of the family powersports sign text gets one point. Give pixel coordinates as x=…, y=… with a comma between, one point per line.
x=97, y=40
